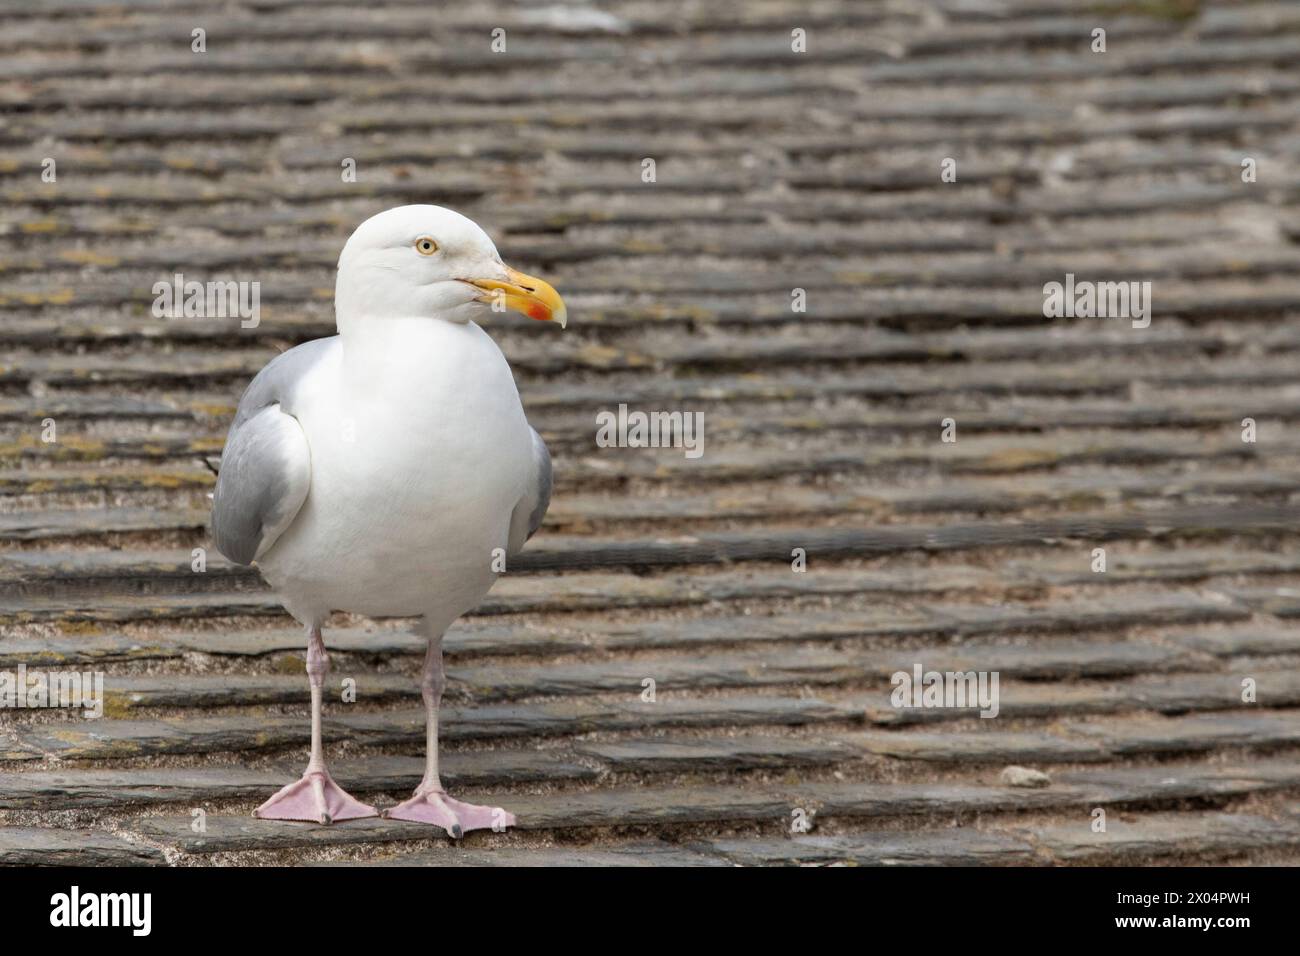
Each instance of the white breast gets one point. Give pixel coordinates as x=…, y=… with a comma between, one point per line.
x=420, y=451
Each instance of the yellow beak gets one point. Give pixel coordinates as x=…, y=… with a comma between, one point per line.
x=524, y=293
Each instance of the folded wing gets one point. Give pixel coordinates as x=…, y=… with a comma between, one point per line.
x=266, y=465
x=531, y=509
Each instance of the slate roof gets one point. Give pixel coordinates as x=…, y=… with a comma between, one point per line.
x=775, y=170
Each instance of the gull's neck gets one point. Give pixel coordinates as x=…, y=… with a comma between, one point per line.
x=371, y=346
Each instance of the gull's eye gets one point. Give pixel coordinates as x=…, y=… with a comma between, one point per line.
x=425, y=246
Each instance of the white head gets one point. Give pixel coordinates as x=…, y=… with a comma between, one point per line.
x=431, y=262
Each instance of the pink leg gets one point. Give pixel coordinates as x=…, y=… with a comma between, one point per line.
x=316, y=797
x=431, y=804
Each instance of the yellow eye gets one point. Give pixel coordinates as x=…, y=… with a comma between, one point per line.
x=425, y=246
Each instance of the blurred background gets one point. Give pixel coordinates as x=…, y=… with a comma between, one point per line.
x=838, y=255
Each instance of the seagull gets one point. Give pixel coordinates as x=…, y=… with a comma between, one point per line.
x=389, y=470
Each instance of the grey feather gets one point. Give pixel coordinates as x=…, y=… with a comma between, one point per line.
x=266, y=465
x=531, y=509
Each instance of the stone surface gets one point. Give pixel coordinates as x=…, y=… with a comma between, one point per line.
x=956, y=847
x=1197, y=732
x=1027, y=777
x=626, y=855
x=1154, y=836
x=82, y=788
x=977, y=747
x=924, y=302
x=717, y=754
x=33, y=846
x=775, y=806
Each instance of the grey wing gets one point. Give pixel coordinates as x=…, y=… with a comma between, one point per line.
x=266, y=465
x=531, y=509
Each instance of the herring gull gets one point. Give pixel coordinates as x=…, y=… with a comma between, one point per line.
x=387, y=470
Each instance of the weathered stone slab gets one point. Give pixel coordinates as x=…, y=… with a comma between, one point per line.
x=111, y=738
x=1283, y=602
x=1044, y=660
x=86, y=788
x=1253, y=641
x=737, y=711
x=52, y=652
x=601, y=808
x=1154, y=836
x=1166, y=693
x=600, y=591
x=1198, y=732
x=459, y=769
x=62, y=571
x=484, y=637
x=1035, y=379
x=622, y=855
x=673, y=806
x=124, y=694
x=578, y=717
x=1076, y=742
x=565, y=810
x=13, y=749
x=125, y=609
x=1275, y=687
x=1185, y=564
x=46, y=525
x=475, y=636
x=1017, y=699
x=224, y=833
x=974, y=747
x=738, y=629
x=908, y=799
x=379, y=641
x=955, y=847
x=39, y=846
x=687, y=755
x=556, y=553
x=466, y=637
x=1178, y=782
x=1118, y=612
x=741, y=669
x=479, y=723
